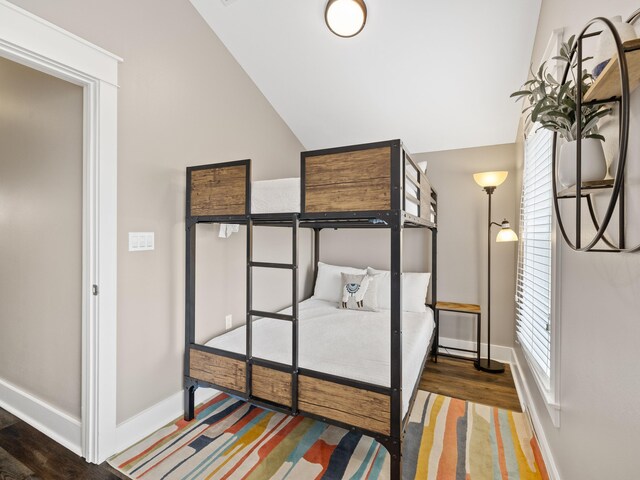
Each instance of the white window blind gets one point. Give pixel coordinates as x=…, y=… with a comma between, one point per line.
x=533, y=289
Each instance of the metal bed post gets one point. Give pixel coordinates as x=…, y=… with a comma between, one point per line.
x=396, y=349
x=396, y=312
x=190, y=304
x=189, y=387
x=295, y=224
x=249, y=305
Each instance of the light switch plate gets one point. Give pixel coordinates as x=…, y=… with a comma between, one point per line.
x=140, y=241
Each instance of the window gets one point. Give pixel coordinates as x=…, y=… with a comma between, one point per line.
x=537, y=330
x=533, y=289
x=537, y=325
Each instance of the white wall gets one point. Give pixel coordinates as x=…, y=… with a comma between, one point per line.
x=41, y=235
x=599, y=429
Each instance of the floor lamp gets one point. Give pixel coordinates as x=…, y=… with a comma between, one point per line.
x=489, y=181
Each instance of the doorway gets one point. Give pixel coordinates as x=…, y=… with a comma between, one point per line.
x=41, y=192
x=35, y=43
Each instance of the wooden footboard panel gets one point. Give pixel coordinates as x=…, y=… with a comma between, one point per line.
x=218, y=370
x=219, y=189
x=353, y=406
x=271, y=385
x=347, y=181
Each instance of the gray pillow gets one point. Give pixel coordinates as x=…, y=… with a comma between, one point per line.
x=359, y=292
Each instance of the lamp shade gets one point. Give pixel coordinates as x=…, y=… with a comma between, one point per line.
x=346, y=18
x=506, y=234
x=490, y=179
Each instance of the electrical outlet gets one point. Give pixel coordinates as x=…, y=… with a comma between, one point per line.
x=228, y=320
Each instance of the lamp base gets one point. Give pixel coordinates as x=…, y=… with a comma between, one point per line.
x=490, y=366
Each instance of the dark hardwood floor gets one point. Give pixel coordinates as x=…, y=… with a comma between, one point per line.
x=459, y=379
x=27, y=454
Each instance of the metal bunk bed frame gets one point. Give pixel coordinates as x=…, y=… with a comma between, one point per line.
x=395, y=219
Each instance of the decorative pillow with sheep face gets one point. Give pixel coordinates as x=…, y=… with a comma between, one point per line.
x=359, y=292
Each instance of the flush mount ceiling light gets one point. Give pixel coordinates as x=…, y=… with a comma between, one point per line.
x=345, y=18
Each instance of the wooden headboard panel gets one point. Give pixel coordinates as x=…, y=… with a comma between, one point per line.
x=342, y=180
x=219, y=189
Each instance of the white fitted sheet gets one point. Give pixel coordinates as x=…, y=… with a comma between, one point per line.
x=347, y=343
x=282, y=195
x=275, y=196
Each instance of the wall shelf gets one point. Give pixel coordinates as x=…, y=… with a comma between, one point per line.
x=586, y=188
x=607, y=86
x=615, y=84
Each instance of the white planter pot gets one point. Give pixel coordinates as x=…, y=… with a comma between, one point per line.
x=594, y=165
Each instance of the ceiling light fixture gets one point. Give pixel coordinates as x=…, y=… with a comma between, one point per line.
x=346, y=18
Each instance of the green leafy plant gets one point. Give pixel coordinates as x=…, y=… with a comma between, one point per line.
x=553, y=104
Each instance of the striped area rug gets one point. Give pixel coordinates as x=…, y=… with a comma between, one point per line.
x=230, y=439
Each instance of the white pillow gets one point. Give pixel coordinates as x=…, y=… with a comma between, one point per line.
x=329, y=281
x=414, y=290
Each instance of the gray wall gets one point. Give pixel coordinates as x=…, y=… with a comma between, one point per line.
x=183, y=100
x=41, y=235
x=599, y=383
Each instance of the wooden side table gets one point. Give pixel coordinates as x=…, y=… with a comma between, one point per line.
x=467, y=308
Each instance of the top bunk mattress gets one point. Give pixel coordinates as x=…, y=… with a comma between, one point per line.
x=283, y=196
x=275, y=196
x=348, y=343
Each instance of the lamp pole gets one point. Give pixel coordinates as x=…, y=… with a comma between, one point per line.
x=486, y=365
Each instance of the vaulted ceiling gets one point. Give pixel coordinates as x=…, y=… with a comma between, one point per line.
x=434, y=73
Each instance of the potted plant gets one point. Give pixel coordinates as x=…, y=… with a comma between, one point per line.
x=553, y=106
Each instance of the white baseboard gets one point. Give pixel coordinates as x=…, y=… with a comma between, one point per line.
x=524, y=392
x=136, y=428
x=498, y=352
x=57, y=425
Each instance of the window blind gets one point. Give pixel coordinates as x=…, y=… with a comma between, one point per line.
x=533, y=289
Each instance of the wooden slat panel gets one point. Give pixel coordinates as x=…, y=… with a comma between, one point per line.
x=353, y=406
x=223, y=371
x=219, y=191
x=272, y=385
x=348, y=181
x=349, y=197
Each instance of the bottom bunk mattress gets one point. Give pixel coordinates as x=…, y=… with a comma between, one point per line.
x=347, y=343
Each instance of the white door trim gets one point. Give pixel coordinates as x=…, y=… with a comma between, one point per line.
x=36, y=43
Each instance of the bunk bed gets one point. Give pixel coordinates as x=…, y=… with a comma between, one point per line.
x=376, y=185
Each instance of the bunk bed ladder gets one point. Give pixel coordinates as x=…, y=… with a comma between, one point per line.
x=293, y=317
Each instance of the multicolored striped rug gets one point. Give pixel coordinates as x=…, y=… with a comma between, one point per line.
x=230, y=439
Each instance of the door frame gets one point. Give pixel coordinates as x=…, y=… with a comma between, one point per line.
x=36, y=43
